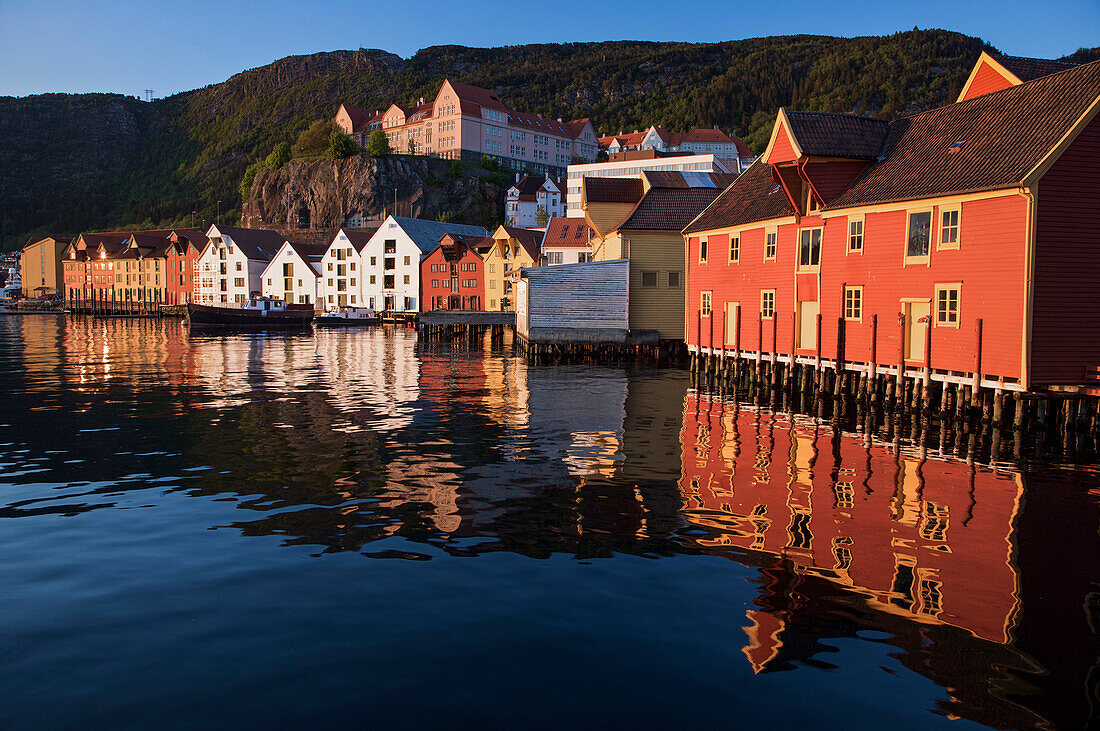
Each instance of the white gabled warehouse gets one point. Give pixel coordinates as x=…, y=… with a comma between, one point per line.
x=293, y=274
x=231, y=266
x=391, y=260
x=342, y=270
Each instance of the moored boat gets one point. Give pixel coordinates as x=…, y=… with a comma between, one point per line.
x=347, y=317
x=256, y=312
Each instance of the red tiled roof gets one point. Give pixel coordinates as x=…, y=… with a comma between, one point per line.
x=754, y=196
x=562, y=232
x=698, y=134
x=1005, y=134
x=669, y=209
x=477, y=95
x=359, y=117
x=1029, y=69
x=612, y=190
x=838, y=135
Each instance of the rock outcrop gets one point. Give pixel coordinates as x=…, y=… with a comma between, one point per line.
x=326, y=193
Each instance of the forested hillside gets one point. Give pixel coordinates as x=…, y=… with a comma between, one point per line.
x=74, y=162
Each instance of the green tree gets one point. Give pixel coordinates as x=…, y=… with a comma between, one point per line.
x=249, y=176
x=456, y=169
x=314, y=139
x=412, y=147
x=378, y=145
x=278, y=157
x=340, y=146
x=541, y=217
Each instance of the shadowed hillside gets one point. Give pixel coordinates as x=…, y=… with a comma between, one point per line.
x=74, y=162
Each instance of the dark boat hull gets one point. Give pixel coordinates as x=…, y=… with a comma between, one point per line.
x=344, y=322
x=293, y=316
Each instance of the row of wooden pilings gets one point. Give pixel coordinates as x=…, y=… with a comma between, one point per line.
x=78, y=304
x=911, y=405
x=460, y=334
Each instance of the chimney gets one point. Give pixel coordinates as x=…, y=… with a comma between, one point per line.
x=517, y=177
x=422, y=101
x=559, y=119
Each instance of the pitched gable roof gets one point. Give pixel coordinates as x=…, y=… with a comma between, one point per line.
x=359, y=117
x=1028, y=69
x=426, y=234
x=256, y=243
x=837, y=135
x=529, y=239
x=357, y=238
x=669, y=209
x=754, y=196
x=563, y=232
x=1004, y=134
x=311, y=254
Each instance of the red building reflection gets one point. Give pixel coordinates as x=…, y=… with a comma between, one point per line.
x=927, y=540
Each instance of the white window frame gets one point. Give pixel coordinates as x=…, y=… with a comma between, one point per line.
x=953, y=245
x=926, y=259
x=862, y=221
x=946, y=287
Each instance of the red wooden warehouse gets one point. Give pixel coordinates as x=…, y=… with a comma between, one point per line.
x=962, y=242
x=452, y=277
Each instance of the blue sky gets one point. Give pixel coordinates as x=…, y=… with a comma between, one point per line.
x=127, y=46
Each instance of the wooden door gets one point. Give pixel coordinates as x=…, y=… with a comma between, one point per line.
x=915, y=329
x=807, y=325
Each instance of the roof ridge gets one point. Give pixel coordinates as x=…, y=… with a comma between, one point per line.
x=988, y=94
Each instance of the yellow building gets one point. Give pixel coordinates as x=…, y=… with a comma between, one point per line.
x=40, y=266
x=640, y=219
x=511, y=250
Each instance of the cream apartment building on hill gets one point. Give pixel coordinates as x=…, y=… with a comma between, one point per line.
x=466, y=122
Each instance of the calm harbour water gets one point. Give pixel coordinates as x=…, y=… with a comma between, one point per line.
x=228, y=530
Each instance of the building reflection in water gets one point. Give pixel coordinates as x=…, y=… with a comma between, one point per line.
x=925, y=550
x=343, y=439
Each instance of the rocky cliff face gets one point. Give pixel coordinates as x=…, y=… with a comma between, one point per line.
x=325, y=193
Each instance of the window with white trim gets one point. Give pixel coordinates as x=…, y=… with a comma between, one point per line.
x=771, y=239
x=918, y=236
x=853, y=303
x=703, y=250
x=767, y=303
x=809, y=249
x=704, y=304
x=949, y=229
x=947, y=305
x=855, y=235
x=735, y=248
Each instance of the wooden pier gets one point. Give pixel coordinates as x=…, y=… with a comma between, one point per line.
x=920, y=399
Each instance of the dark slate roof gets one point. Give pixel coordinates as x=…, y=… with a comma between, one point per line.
x=1029, y=69
x=838, y=135
x=256, y=243
x=196, y=236
x=1005, y=134
x=669, y=209
x=426, y=234
x=357, y=237
x=311, y=254
x=529, y=239
x=754, y=196
x=613, y=190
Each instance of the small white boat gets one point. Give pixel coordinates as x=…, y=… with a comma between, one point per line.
x=347, y=317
